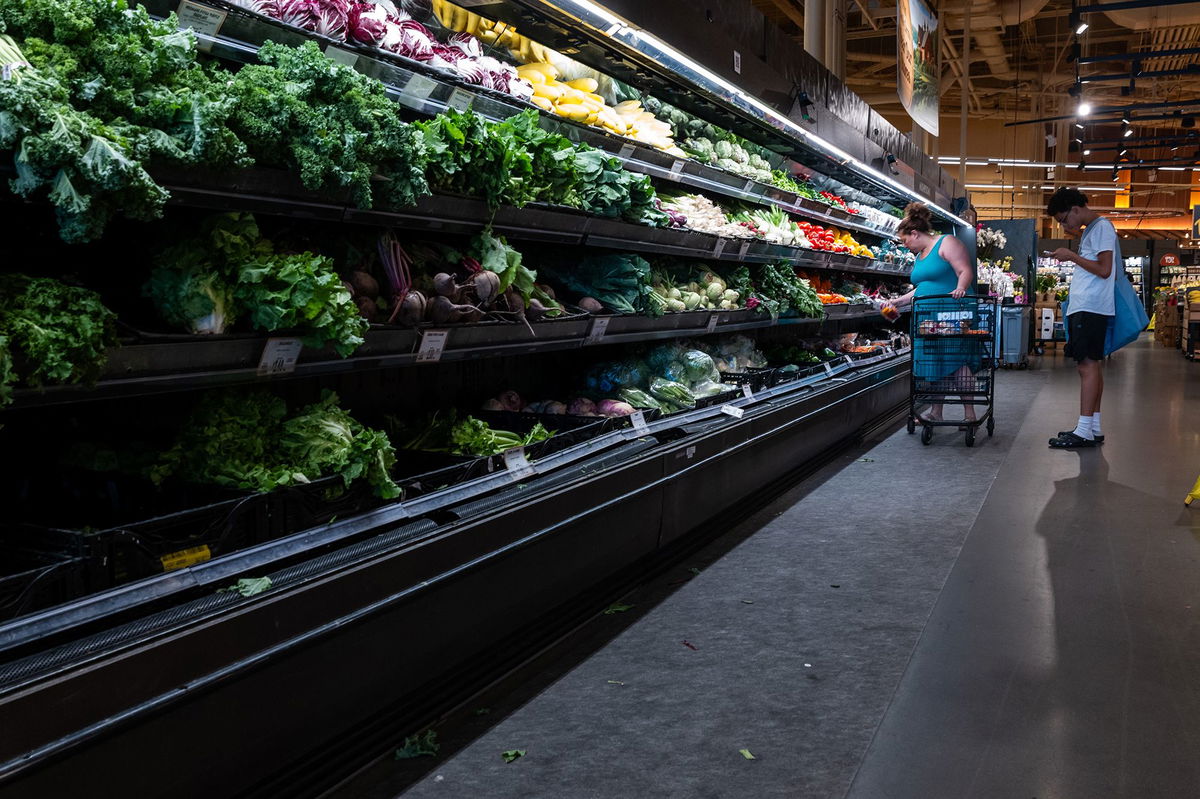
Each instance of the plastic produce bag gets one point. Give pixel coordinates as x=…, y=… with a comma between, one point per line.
x=699, y=367
x=672, y=392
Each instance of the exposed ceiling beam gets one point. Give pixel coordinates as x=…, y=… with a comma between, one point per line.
x=862, y=6
x=789, y=10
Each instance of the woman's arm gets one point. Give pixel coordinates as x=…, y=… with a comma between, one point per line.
x=956, y=254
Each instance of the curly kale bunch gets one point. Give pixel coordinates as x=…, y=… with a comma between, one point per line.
x=335, y=126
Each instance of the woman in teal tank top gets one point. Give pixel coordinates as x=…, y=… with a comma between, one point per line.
x=942, y=267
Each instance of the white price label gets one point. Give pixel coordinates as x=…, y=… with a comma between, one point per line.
x=737, y=62
x=749, y=185
x=828, y=369
x=432, y=344
x=745, y=248
x=747, y=392
x=626, y=150
x=340, y=56
x=676, y=168
x=279, y=356
x=712, y=322
x=597, y=330
x=517, y=464
x=638, y=418
x=419, y=87
x=719, y=250
x=460, y=100
x=202, y=19
x=734, y=411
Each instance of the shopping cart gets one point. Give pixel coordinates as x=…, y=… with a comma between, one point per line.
x=954, y=361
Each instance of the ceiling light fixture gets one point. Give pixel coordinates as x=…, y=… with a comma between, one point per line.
x=1077, y=22
x=1128, y=133
x=1087, y=152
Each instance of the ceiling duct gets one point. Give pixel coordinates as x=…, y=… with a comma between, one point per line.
x=1140, y=19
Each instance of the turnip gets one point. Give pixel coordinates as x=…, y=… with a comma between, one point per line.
x=591, y=305
x=613, y=408
x=487, y=286
x=555, y=408
x=511, y=401
x=410, y=311
x=581, y=406
x=363, y=285
x=493, y=405
x=445, y=286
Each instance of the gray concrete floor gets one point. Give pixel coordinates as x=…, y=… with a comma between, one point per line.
x=913, y=623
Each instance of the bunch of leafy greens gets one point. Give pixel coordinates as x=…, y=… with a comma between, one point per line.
x=620, y=281
x=445, y=432
x=228, y=270
x=336, y=126
x=555, y=175
x=608, y=189
x=50, y=332
x=89, y=169
x=468, y=155
x=248, y=440
x=301, y=291
x=137, y=73
x=782, y=291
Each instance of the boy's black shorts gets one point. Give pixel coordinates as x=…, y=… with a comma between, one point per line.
x=1086, y=332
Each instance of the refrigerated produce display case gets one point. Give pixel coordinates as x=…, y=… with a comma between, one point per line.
x=347, y=358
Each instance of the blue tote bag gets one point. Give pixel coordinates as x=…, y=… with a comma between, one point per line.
x=1130, y=318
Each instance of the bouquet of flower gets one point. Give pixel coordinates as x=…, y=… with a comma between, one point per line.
x=989, y=241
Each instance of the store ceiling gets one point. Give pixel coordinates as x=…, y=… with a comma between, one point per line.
x=1022, y=71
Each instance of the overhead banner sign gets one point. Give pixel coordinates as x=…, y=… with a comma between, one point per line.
x=917, y=78
x=1196, y=222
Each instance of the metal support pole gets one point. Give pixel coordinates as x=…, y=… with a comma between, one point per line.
x=814, y=29
x=965, y=85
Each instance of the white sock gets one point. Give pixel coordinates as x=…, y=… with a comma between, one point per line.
x=1084, y=428
x=1096, y=424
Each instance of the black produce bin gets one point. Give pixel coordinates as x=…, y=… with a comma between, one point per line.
x=757, y=379
x=292, y=509
x=39, y=569
x=129, y=528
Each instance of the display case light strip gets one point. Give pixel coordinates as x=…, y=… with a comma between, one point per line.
x=590, y=12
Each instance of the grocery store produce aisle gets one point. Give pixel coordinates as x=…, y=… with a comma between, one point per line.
x=911, y=622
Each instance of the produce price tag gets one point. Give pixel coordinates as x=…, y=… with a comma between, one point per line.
x=720, y=248
x=828, y=370
x=712, y=322
x=460, y=100
x=626, y=151
x=432, y=344
x=749, y=185
x=185, y=557
x=676, y=168
x=735, y=412
x=597, y=330
x=419, y=87
x=279, y=356
x=340, y=56
x=638, y=418
x=747, y=392
x=517, y=464
x=202, y=19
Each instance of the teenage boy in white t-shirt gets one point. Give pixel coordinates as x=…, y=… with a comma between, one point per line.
x=1090, y=307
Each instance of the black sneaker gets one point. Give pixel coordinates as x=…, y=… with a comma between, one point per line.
x=1097, y=439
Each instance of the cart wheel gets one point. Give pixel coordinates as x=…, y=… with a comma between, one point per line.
x=970, y=436
x=991, y=426
x=1039, y=350
x=912, y=425
x=926, y=435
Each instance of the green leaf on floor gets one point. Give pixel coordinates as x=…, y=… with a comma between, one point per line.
x=615, y=682
x=616, y=607
x=694, y=571
x=512, y=754
x=419, y=745
x=747, y=601
x=746, y=754
x=865, y=460
x=482, y=711
x=248, y=586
